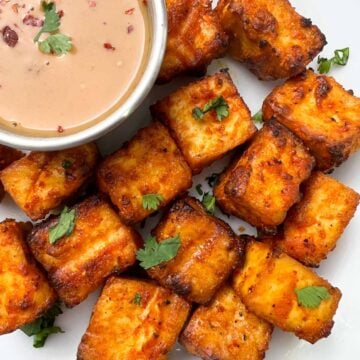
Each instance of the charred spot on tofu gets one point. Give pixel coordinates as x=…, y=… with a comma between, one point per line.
x=314, y=225
x=150, y=163
x=195, y=38
x=208, y=246
x=320, y=112
x=269, y=37
x=133, y=319
x=264, y=182
x=98, y=245
x=25, y=293
x=205, y=140
x=224, y=329
x=269, y=283
x=40, y=182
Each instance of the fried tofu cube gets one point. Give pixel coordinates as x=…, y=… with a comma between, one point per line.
x=25, y=293
x=263, y=183
x=315, y=224
x=209, y=251
x=77, y=264
x=268, y=283
x=195, y=38
x=133, y=319
x=270, y=37
x=320, y=112
x=150, y=163
x=41, y=181
x=225, y=330
x=203, y=141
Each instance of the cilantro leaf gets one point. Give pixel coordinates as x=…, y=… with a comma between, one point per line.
x=155, y=253
x=258, y=117
x=64, y=227
x=212, y=179
x=152, y=201
x=56, y=44
x=137, y=299
x=311, y=296
x=218, y=104
x=199, y=189
x=341, y=57
x=209, y=202
x=52, y=20
x=42, y=327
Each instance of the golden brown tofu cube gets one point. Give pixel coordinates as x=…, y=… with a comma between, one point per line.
x=195, y=38
x=263, y=183
x=320, y=112
x=209, y=251
x=42, y=181
x=203, y=141
x=268, y=283
x=270, y=37
x=226, y=330
x=133, y=320
x=99, y=245
x=150, y=163
x=25, y=293
x=314, y=225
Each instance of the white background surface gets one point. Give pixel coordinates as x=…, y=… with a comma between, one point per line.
x=339, y=20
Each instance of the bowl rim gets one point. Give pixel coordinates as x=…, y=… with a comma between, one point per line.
x=158, y=20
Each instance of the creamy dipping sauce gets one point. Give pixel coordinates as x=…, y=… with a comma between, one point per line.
x=49, y=93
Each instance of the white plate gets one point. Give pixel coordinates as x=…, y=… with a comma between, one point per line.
x=340, y=22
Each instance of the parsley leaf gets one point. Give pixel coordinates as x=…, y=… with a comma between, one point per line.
x=218, y=104
x=137, y=299
x=258, y=117
x=311, y=296
x=52, y=20
x=209, y=202
x=155, y=253
x=64, y=227
x=212, y=179
x=56, y=44
x=42, y=327
x=199, y=189
x=152, y=201
x=341, y=57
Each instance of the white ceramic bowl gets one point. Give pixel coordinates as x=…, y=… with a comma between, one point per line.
x=158, y=22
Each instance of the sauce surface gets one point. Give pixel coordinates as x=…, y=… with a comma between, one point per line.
x=40, y=92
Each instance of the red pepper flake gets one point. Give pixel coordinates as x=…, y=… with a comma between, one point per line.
x=92, y=3
x=10, y=36
x=108, y=46
x=15, y=8
x=129, y=11
x=33, y=21
x=60, y=129
x=130, y=29
x=61, y=13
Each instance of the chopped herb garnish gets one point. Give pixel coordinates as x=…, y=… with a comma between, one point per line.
x=155, y=253
x=137, y=299
x=42, y=327
x=199, y=189
x=56, y=44
x=218, y=104
x=64, y=227
x=66, y=164
x=212, y=179
x=258, y=117
x=312, y=296
x=341, y=57
x=209, y=201
x=152, y=201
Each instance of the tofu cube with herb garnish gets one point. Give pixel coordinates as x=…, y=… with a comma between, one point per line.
x=262, y=185
x=269, y=37
x=195, y=38
x=145, y=174
x=25, y=293
x=207, y=119
x=314, y=225
x=194, y=243
x=284, y=292
x=224, y=329
x=133, y=319
x=83, y=246
x=42, y=181
x=320, y=112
